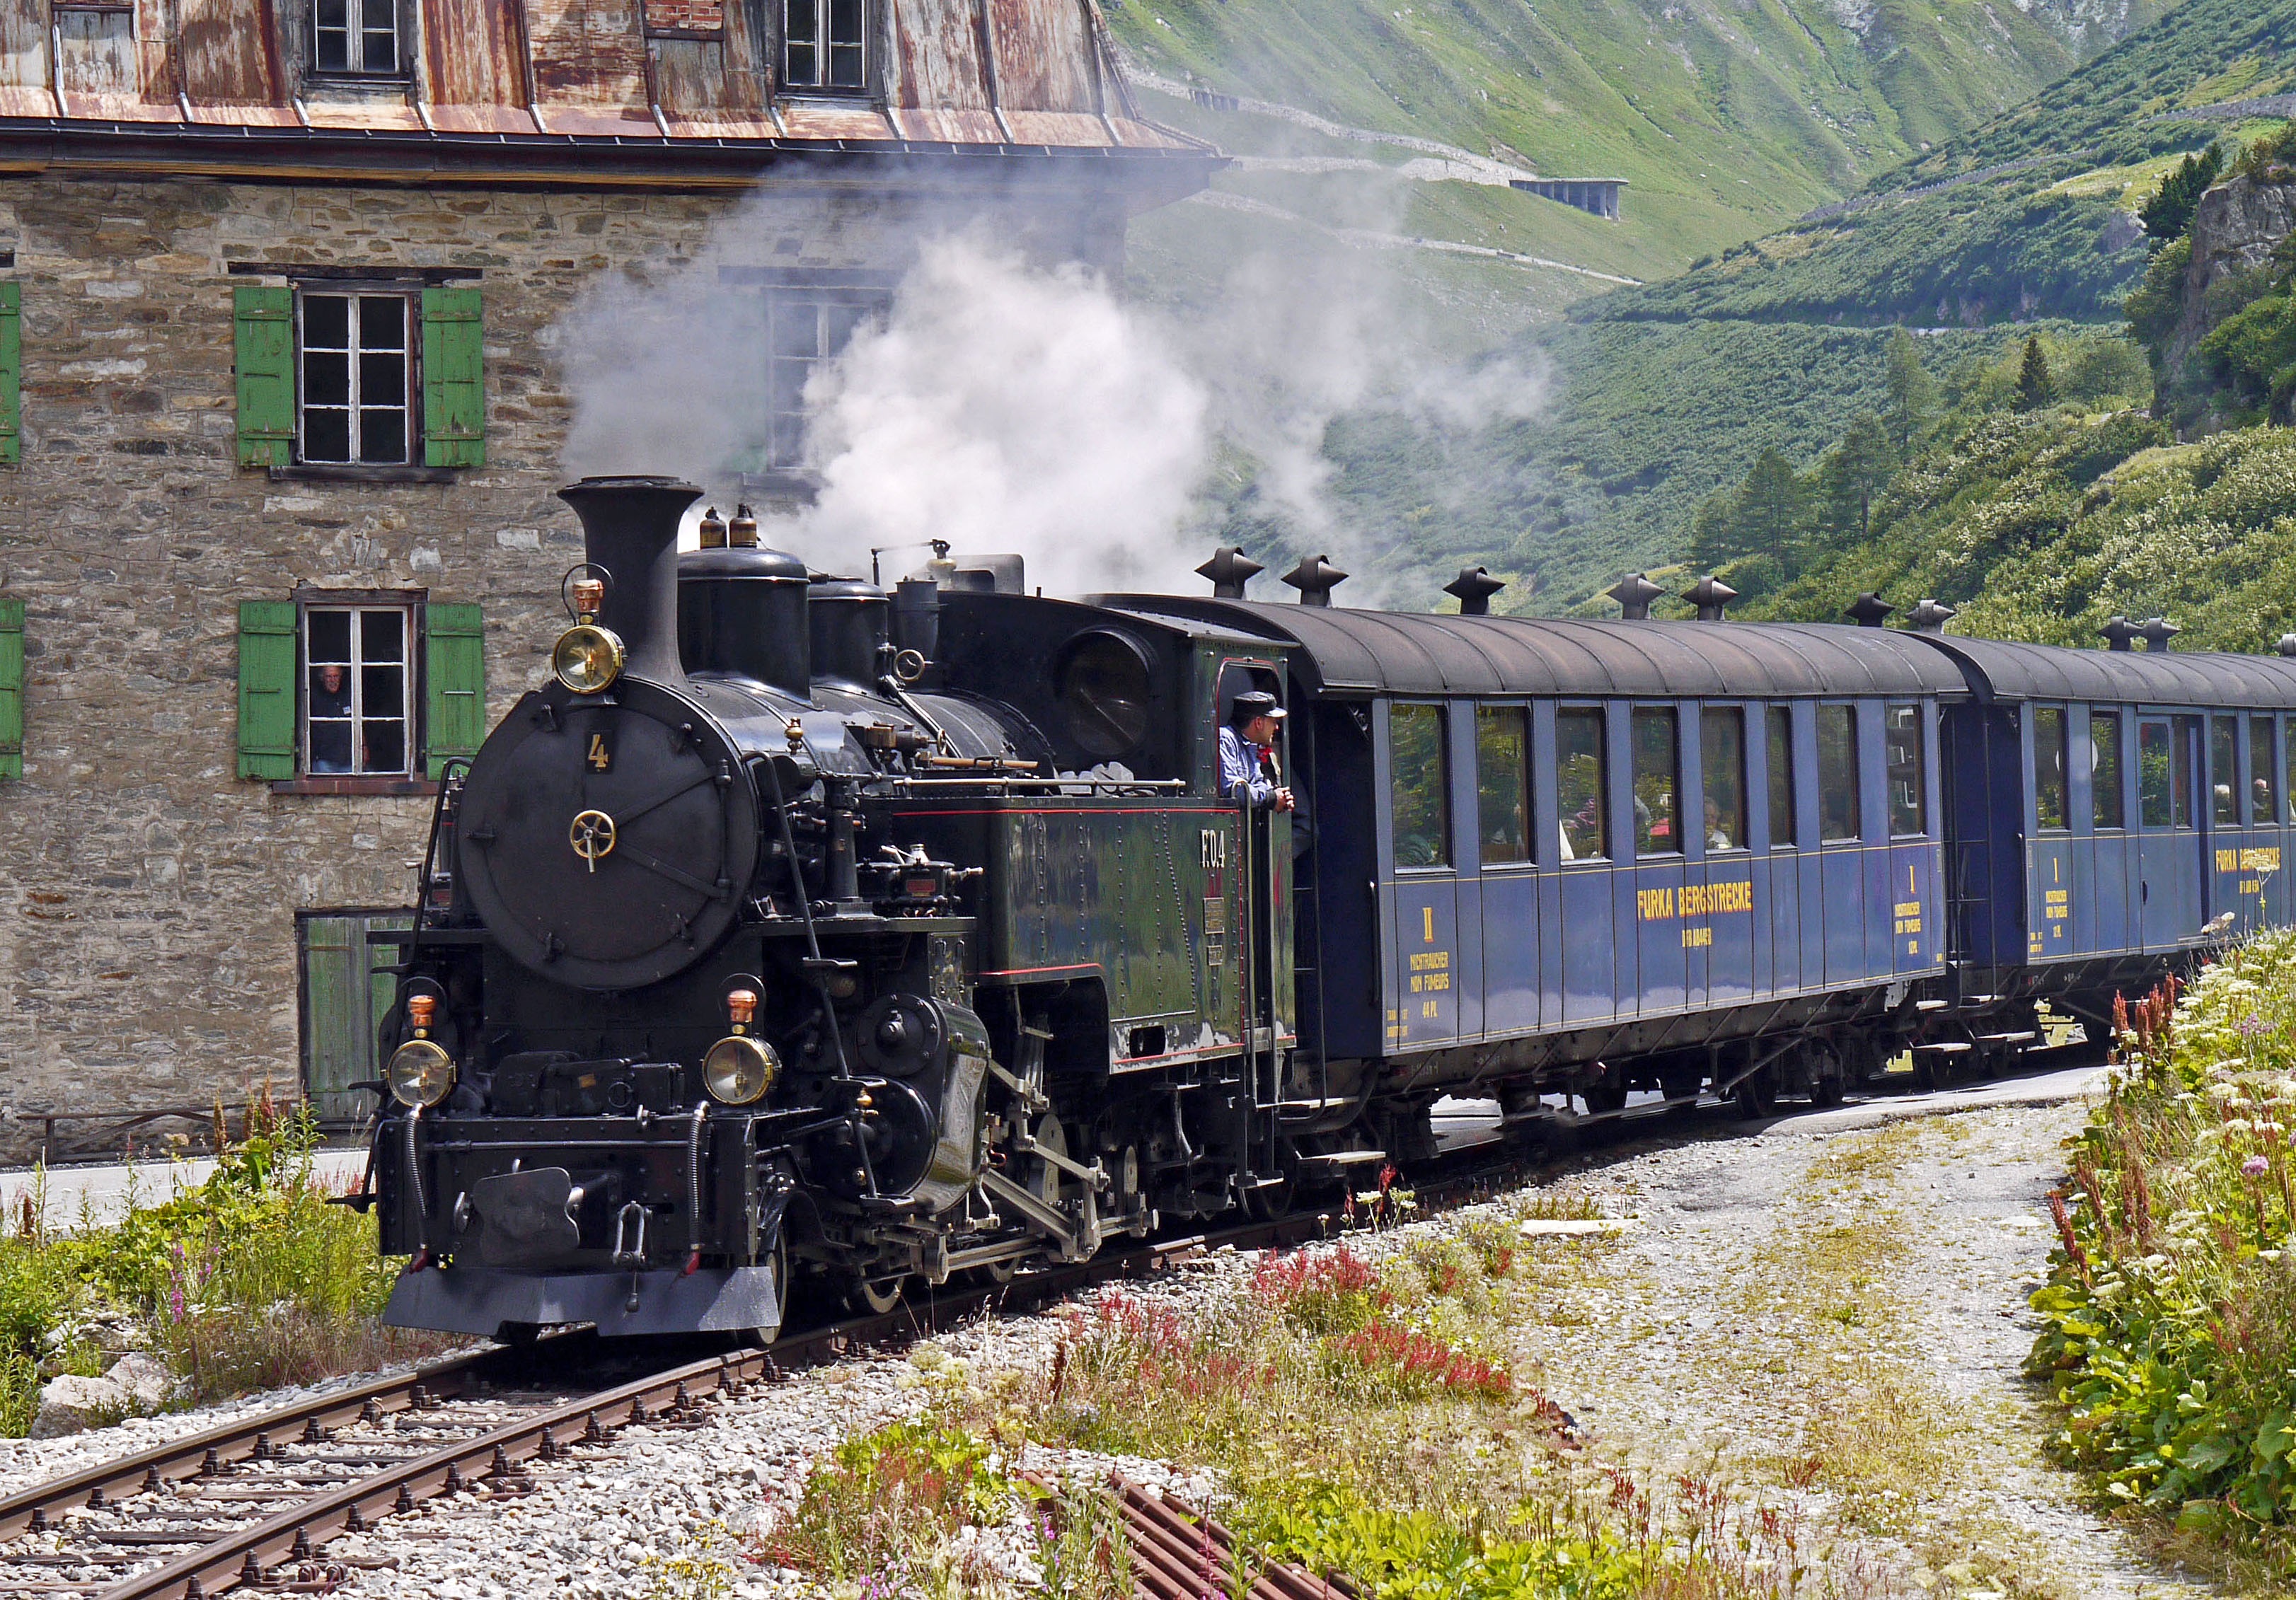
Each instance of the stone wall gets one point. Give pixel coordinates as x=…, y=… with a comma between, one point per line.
x=147, y=895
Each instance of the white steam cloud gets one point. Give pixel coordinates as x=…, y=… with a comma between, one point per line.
x=1006, y=406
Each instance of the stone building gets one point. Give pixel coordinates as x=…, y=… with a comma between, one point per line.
x=280, y=425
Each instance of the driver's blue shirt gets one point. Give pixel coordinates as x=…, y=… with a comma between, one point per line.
x=1241, y=776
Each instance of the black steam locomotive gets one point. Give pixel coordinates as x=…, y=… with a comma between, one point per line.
x=804, y=930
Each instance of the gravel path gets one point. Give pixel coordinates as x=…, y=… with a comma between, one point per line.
x=1833, y=1312
x=1845, y=1308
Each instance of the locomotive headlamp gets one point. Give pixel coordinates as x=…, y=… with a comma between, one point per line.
x=588, y=659
x=420, y=1073
x=739, y=1069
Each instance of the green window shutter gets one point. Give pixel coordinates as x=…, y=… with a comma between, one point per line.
x=264, y=323
x=12, y=372
x=455, y=676
x=266, y=688
x=454, y=380
x=11, y=688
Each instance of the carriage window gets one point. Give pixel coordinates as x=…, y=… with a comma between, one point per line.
x=2104, y=796
x=2224, y=771
x=1503, y=781
x=2049, y=766
x=1837, y=773
x=1782, y=783
x=2263, y=803
x=1722, y=756
x=355, y=689
x=2164, y=769
x=1580, y=793
x=1901, y=750
x=1416, y=769
x=1657, y=766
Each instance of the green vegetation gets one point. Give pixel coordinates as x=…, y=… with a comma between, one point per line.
x=249, y=1281
x=2169, y=1317
x=2170, y=212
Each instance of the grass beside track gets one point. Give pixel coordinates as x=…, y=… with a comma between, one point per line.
x=249, y=1281
x=2170, y=1312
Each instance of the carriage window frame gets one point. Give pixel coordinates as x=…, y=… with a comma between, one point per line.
x=1838, y=789
x=2108, y=800
x=1439, y=767
x=1663, y=785
x=1598, y=751
x=2051, y=770
x=1722, y=773
x=2225, y=807
x=2181, y=735
x=1777, y=759
x=2263, y=768
x=1519, y=770
x=1906, y=769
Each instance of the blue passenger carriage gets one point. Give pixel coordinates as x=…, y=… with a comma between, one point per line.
x=1580, y=858
x=2113, y=813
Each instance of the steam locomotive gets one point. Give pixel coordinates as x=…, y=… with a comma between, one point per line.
x=803, y=931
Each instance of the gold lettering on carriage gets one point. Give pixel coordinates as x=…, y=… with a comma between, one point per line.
x=1694, y=900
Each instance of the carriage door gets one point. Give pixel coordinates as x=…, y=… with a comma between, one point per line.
x=2227, y=811
x=1266, y=981
x=2168, y=889
x=1421, y=999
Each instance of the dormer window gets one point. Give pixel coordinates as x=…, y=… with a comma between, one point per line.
x=823, y=44
x=355, y=37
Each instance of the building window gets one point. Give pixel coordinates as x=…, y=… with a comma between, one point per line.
x=1838, y=809
x=355, y=36
x=1417, y=765
x=1503, y=781
x=824, y=44
x=1580, y=794
x=356, y=693
x=805, y=329
x=355, y=377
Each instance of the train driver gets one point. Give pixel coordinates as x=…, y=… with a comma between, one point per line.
x=1247, y=753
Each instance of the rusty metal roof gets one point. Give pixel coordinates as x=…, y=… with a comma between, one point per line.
x=1348, y=651
x=2002, y=671
x=1017, y=76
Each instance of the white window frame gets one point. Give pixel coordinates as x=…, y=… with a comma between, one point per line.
x=360, y=17
x=823, y=46
x=410, y=324
x=784, y=422
x=360, y=712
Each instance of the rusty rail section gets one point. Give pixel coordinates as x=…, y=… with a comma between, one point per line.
x=1179, y=1555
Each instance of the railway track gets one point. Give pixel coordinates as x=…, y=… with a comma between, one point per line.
x=254, y=1503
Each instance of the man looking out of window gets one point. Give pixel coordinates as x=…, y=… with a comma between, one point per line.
x=1247, y=754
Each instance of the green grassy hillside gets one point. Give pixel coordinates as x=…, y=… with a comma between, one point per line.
x=2051, y=238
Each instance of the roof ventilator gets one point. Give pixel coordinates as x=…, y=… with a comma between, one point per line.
x=1229, y=570
x=2119, y=632
x=2156, y=633
x=1868, y=610
x=1930, y=616
x=1634, y=593
x=1315, y=578
x=1473, y=589
x=1710, y=594
x=2287, y=645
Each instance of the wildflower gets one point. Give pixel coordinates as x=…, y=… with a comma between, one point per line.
x=2255, y=1166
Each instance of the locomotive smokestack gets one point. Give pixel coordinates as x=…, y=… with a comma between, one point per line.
x=629, y=527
